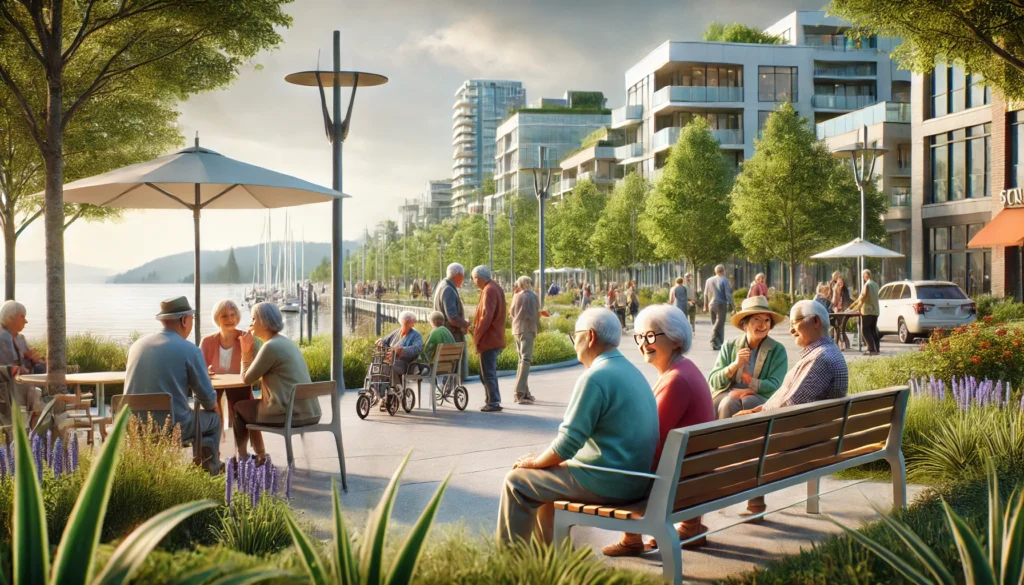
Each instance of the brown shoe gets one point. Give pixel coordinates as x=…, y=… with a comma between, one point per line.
x=630, y=545
x=685, y=533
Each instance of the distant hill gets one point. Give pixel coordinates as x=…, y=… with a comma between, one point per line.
x=35, y=273
x=177, y=267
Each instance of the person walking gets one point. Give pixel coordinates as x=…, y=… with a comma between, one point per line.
x=718, y=301
x=867, y=304
x=489, y=333
x=678, y=296
x=449, y=303
x=691, y=301
x=841, y=302
x=525, y=313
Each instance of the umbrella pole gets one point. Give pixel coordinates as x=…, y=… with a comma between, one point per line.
x=337, y=241
x=195, y=277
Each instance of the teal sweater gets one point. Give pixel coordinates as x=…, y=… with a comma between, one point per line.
x=611, y=421
x=769, y=369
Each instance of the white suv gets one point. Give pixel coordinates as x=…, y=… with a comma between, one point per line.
x=914, y=307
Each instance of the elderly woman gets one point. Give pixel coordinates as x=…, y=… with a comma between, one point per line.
x=279, y=366
x=841, y=302
x=664, y=337
x=439, y=335
x=19, y=357
x=407, y=341
x=223, y=354
x=525, y=314
x=750, y=367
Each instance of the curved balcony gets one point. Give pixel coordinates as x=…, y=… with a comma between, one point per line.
x=627, y=116
x=629, y=151
x=667, y=137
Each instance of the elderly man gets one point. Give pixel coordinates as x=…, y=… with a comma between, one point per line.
x=867, y=304
x=19, y=359
x=489, y=333
x=718, y=301
x=449, y=303
x=525, y=313
x=407, y=343
x=168, y=363
x=611, y=422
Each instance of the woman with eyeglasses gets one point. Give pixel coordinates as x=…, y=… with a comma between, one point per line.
x=663, y=336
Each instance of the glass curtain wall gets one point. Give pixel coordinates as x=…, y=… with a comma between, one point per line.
x=950, y=259
x=960, y=163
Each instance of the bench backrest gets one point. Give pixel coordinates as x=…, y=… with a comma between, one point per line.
x=447, y=357
x=706, y=462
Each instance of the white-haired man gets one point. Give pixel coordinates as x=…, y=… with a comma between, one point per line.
x=449, y=302
x=867, y=304
x=718, y=301
x=525, y=314
x=611, y=422
x=489, y=333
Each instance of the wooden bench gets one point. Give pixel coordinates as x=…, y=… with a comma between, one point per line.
x=447, y=362
x=714, y=465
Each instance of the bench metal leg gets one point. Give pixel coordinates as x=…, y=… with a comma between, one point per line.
x=813, y=487
x=341, y=457
x=562, y=529
x=898, y=467
x=288, y=448
x=671, y=554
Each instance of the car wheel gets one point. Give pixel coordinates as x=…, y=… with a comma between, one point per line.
x=904, y=333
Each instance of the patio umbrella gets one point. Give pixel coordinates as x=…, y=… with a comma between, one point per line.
x=858, y=248
x=196, y=178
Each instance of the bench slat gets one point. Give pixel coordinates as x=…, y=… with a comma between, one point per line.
x=871, y=420
x=782, y=442
x=716, y=438
x=863, y=439
x=808, y=419
x=591, y=509
x=684, y=501
x=575, y=507
x=810, y=465
x=789, y=459
x=862, y=406
x=711, y=460
x=718, y=479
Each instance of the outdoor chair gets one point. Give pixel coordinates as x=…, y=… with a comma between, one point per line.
x=304, y=392
x=447, y=363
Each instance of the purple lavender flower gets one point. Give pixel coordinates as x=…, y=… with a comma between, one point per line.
x=73, y=455
x=273, y=480
x=3, y=461
x=229, y=485
x=37, y=454
x=58, y=458
x=291, y=471
x=49, y=447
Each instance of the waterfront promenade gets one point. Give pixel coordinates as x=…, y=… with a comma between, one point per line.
x=479, y=448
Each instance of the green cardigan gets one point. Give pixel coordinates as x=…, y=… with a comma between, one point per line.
x=769, y=369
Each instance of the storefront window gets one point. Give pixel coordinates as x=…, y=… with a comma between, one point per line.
x=950, y=259
x=1017, y=144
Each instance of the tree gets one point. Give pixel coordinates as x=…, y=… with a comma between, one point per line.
x=573, y=221
x=617, y=240
x=322, y=271
x=687, y=214
x=793, y=199
x=229, y=273
x=57, y=57
x=983, y=36
x=739, y=33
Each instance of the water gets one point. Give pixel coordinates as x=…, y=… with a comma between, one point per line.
x=117, y=311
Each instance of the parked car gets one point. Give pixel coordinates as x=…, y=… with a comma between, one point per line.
x=910, y=308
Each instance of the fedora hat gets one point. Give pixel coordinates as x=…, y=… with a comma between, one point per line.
x=175, y=308
x=753, y=306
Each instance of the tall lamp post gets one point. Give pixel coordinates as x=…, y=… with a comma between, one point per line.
x=337, y=130
x=541, y=183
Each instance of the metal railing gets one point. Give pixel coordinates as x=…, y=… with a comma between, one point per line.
x=875, y=114
x=627, y=114
x=697, y=93
x=899, y=197
x=842, y=102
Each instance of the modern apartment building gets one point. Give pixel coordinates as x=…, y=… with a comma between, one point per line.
x=595, y=161
x=823, y=72
x=888, y=127
x=410, y=214
x=480, y=106
x=967, y=214
x=436, y=202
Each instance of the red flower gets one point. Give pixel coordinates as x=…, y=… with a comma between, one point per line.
x=985, y=345
x=976, y=360
x=1001, y=331
x=1007, y=355
x=987, y=318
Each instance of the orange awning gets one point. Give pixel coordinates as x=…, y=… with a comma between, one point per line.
x=1006, y=229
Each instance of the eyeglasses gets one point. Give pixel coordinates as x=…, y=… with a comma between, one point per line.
x=572, y=336
x=650, y=336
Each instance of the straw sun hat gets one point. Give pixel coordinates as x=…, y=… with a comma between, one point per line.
x=754, y=306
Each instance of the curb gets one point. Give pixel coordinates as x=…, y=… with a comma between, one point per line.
x=512, y=373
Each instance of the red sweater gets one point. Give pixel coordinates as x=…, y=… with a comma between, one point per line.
x=684, y=399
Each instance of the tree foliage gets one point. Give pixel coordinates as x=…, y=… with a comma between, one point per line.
x=573, y=221
x=739, y=33
x=983, y=36
x=618, y=239
x=687, y=214
x=322, y=271
x=793, y=199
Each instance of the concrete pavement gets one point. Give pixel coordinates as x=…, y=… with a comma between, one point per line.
x=479, y=448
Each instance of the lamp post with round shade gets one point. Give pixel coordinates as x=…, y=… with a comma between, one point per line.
x=541, y=183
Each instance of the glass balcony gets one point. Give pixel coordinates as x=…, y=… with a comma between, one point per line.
x=845, y=70
x=728, y=136
x=595, y=177
x=667, y=137
x=899, y=197
x=627, y=115
x=629, y=151
x=697, y=93
x=842, y=102
x=880, y=112
x=567, y=185
x=607, y=152
x=841, y=42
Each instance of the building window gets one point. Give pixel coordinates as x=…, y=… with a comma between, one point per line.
x=960, y=163
x=950, y=259
x=777, y=84
x=954, y=91
x=1017, y=144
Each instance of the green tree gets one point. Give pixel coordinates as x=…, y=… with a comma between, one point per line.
x=617, y=240
x=573, y=222
x=687, y=214
x=739, y=33
x=793, y=198
x=230, y=273
x=983, y=36
x=57, y=57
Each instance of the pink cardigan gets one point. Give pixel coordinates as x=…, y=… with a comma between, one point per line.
x=210, y=346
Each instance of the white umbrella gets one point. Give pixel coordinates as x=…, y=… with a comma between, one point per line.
x=858, y=248
x=196, y=178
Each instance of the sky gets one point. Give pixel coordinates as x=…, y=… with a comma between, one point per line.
x=400, y=135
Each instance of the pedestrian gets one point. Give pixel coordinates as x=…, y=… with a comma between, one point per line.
x=525, y=314
x=612, y=304
x=632, y=302
x=449, y=303
x=678, y=295
x=691, y=301
x=867, y=303
x=586, y=297
x=379, y=290
x=758, y=288
x=489, y=333
x=718, y=301
x=426, y=288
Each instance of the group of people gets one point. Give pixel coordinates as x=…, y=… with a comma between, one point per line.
x=835, y=297
x=623, y=302
x=615, y=420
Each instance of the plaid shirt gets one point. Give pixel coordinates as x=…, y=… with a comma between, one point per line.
x=820, y=374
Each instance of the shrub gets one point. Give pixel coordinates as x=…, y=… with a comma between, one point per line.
x=646, y=296
x=980, y=350
x=739, y=295
x=779, y=302
x=659, y=296
x=560, y=324
x=1008, y=311
x=171, y=567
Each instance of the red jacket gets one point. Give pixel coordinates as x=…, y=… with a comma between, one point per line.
x=489, y=320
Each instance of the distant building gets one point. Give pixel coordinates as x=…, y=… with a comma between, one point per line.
x=480, y=106
x=436, y=202
x=595, y=161
x=410, y=213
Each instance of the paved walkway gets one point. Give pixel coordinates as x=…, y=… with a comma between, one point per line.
x=479, y=448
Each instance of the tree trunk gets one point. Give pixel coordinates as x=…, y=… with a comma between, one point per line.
x=53, y=156
x=10, y=243
x=792, y=283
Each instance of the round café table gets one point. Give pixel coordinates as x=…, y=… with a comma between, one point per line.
x=98, y=379
x=223, y=382
x=838, y=320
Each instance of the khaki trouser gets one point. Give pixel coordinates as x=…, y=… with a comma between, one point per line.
x=527, y=502
x=726, y=406
x=524, y=347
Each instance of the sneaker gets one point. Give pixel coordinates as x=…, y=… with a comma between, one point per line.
x=490, y=408
x=527, y=400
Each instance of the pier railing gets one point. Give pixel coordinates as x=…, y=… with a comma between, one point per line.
x=382, y=312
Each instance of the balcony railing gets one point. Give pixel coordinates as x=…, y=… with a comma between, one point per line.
x=881, y=112
x=697, y=93
x=728, y=136
x=595, y=177
x=667, y=137
x=627, y=115
x=841, y=42
x=842, y=102
x=567, y=185
x=846, y=71
x=629, y=151
x=899, y=197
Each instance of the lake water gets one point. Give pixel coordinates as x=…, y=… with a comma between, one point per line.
x=117, y=310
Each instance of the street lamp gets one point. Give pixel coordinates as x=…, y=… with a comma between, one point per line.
x=337, y=130
x=541, y=182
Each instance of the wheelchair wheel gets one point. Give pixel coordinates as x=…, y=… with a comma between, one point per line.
x=392, y=403
x=363, y=406
x=408, y=400
x=461, y=397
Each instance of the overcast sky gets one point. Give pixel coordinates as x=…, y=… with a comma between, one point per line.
x=401, y=132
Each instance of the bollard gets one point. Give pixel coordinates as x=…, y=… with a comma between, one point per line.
x=309, y=309
x=378, y=320
x=299, y=289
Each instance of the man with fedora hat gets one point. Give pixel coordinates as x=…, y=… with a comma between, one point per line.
x=166, y=362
